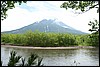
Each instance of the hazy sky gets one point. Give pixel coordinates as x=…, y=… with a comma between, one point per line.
x=33, y=11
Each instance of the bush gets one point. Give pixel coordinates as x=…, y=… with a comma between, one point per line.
x=50, y=39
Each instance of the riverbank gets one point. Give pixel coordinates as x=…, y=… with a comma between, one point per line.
x=30, y=47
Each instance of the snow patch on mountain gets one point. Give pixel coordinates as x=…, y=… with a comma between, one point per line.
x=58, y=22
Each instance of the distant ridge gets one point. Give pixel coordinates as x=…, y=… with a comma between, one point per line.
x=47, y=26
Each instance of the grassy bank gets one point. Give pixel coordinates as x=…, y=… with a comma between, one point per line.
x=40, y=39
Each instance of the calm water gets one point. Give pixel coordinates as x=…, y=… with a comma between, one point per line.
x=83, y=57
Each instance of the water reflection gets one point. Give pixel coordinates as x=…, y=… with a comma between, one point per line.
x=86, y=57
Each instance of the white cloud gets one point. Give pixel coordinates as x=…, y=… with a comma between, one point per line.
x=16, y=18
x=19, y=17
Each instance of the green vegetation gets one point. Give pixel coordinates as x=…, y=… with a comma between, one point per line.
x=84, y=6
x=6, y=5
x=94, y=25
x=41, y=39
x=33, y=60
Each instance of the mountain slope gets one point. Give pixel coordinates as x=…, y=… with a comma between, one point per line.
x=47, y=26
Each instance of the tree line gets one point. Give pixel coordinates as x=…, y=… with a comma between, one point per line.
x=42, y=39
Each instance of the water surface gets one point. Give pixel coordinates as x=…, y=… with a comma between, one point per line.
x=64, y=57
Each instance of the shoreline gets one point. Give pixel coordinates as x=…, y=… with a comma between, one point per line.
x=30, y=47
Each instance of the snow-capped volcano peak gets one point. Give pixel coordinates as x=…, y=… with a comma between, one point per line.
x=50, y=25
x=60, y=23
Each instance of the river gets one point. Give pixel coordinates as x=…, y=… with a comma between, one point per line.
x=62, y=57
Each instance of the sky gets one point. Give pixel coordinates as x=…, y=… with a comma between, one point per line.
x=33, y=11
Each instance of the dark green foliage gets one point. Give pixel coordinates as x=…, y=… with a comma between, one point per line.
x=13, y=59
x=39, y=62
x=41, y=39
x=23, y=62
x=33, y=60
x=95, y=25
x=6, y=5
x=84, y=6
x=94, y=39
x=81, y=5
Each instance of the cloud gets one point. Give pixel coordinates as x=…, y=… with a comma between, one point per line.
x=17, y=18
x=38, y=10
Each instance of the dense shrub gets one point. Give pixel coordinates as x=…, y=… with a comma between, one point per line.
x=50, y=39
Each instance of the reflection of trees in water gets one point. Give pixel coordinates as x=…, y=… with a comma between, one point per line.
x=93, y=53
x=50, y=57
x=48, y=53
x=64, y=57
x=87, y=57
x=69, y=53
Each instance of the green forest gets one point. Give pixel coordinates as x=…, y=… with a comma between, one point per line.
x=53, y=39
x=42, y=39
